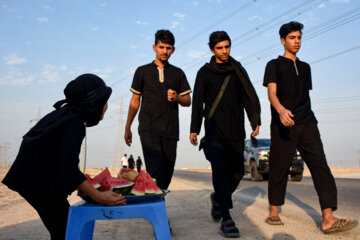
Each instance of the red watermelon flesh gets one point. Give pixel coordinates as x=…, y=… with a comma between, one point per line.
x=139, y=187
x=117, y=185
x=92, y=182
x=101, y=177
x=150, y=185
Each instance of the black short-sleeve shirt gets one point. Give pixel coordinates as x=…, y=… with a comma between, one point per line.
x=157, y=114
x=293, y=81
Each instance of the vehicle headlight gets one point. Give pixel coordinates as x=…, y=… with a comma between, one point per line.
x=263, y=155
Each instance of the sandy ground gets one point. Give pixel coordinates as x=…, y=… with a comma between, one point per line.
x=188, y=208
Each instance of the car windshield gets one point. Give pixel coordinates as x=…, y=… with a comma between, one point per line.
x=264, y=142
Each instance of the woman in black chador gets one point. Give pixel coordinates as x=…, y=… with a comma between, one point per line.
x=46, y=168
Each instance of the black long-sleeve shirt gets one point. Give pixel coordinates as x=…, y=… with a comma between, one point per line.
x=229, y=114
x=48, y=157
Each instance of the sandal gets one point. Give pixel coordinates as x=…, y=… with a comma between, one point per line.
x=342, y=225
x=274, y=220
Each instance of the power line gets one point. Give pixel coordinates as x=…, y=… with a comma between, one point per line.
x=335, y=55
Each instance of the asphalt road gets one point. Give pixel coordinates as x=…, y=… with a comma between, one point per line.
x=301, y=193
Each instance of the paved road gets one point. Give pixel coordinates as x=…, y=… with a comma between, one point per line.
x=301, y=193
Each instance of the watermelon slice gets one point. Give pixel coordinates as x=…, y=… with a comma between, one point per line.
x=121, y=186
x=101, y=177
x=125, y=170
x=150, y=186
x=92, y=181
x=139, y=187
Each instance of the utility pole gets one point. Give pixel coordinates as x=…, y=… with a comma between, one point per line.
x=4, y=152
x=358, y=152
x=120, y=142
x=35, y=120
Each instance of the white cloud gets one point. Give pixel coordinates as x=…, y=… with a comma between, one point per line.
x=103, y=4
x=174, y=24
x=42, y=19
x=321, y=5
x=139, y=22
x=195, y=4
x=133, y=46
x=13, y=59
x=95, y=29
x=50, y=73
x=180, y=15
x=196, y=54
x=15, y=77
x=255, y=17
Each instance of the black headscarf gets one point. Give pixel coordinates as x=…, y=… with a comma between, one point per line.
x=253, y=108
x=85, y=96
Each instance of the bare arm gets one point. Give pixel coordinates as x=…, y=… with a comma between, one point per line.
x=106, y=198
x=285, y=114
x=133, y=109
x=183, y=100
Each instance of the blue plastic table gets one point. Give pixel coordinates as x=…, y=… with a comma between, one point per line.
x=82, y=216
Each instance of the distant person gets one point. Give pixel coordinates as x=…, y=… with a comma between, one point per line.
x=138, y=164
x=161, y=87
x=294, y=126
x=46, y=169
x=131, y=162
x=123, y=161
x=224, y=124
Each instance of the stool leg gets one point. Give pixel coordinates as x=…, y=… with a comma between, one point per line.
x=88, y=230
x=160, y=223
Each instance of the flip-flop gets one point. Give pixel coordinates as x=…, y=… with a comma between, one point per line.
x=342, y=226
x=274, y=220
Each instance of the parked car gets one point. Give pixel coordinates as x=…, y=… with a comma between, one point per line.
x=256, y=159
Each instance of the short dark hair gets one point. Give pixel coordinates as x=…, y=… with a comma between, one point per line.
x=290, y=27
x=216, y=37
x=165, y=36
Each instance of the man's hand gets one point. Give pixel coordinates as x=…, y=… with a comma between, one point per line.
x=128, y=136
x=256, y=132
x=172, y=95
x=285, y=117
x=193, y=139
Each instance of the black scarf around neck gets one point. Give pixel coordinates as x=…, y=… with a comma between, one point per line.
x=254, y=109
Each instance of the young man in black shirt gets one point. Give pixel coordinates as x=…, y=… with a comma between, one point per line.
x=294, y=126
x=224, y=130
x=161, y=88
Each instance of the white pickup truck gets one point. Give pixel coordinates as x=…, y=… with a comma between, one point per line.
x=256, y=160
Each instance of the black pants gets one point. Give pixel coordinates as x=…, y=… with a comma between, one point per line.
x=138, y=166
x=305, y=138
x=53, y=210
x=159, y=155
x=227, y=163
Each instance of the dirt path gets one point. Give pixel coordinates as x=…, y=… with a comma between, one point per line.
x=188, y=209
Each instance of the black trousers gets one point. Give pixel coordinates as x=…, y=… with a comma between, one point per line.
x=305, y=138
x=159, y=155
x=53, y=210
x=227, y=164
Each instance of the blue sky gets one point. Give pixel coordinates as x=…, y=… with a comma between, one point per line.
x=44, y=44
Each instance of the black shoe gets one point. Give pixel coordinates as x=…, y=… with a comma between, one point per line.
x=228, y=229
x=215, y=209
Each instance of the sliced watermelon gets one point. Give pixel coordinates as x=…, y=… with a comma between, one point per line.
x=101, y=177
x=92, y=181
x=125, y=170
x=139, y=188
x=121, y=186
x=150, y=185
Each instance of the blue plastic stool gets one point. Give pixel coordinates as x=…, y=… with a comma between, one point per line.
x=81, y=220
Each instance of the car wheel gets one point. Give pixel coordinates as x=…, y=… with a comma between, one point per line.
x=254, y=174
x=265, y=176
x=297, y=177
